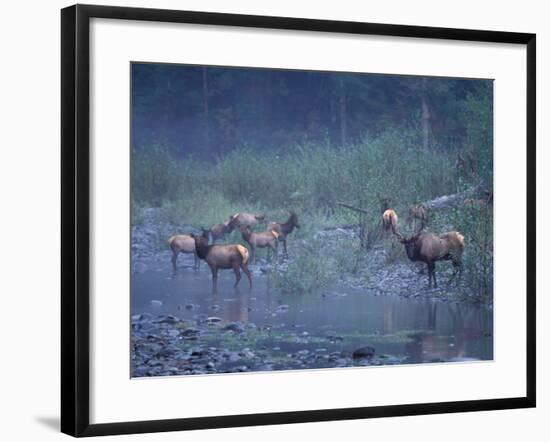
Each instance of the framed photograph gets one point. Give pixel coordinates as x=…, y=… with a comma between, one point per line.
x=275, y=220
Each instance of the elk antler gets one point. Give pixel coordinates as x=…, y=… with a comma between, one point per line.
x=396, y=233
x=422, y=225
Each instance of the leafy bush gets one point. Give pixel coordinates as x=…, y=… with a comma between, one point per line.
x=476, y=224
x=308, y=272
x=158, y=176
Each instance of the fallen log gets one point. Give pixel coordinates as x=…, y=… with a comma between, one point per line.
x=350, y=207
x=440, y=203
x=446, y=201
x=453, y=200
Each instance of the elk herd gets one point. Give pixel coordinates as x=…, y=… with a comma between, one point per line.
x=233, y=256
x=421, y=246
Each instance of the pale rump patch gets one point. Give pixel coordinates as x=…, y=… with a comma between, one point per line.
x=244, y=253
x=389, y=219
x=275, y=234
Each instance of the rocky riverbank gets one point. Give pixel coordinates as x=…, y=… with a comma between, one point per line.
x=167, y=345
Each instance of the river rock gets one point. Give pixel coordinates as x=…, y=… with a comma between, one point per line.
x=165, y=353
x=363, y=352
x=168, y=320
x=190, y=332
x=173, y=333
x=233, y=357
x=234, y=327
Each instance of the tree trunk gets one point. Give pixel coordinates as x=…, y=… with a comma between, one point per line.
x=343, y=114
x=425, y=117
x=205, y=107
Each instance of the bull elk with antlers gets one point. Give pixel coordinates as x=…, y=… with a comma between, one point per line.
x=429, y=248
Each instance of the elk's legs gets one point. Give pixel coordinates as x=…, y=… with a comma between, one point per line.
x=431, y=274
x=237, y=273
x=214, y=277
x=197, y=261
x=174, y=260
x=272, y=251
x=247, y=273
x=457, y=271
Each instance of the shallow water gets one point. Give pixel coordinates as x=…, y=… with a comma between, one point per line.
x=419, y=329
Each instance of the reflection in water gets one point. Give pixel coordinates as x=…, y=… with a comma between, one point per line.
x=422, y=330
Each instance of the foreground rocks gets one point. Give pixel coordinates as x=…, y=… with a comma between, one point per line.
x=167, y=346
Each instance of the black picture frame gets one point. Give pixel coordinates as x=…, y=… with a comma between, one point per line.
x=75, y=225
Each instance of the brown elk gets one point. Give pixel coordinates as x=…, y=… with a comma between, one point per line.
x=244, y=219
x=472, y=203
x=467, y=164
x=284, y=229
x=182, y=244
x=218, y=257
x=218, y=231
x=260, y=240
x=429, y=248
x=481, y=203
x=385, y=203
x=417, y=212
x=389, y=220
x=478, y=204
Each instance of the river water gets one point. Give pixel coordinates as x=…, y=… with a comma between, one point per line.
x=420, y=330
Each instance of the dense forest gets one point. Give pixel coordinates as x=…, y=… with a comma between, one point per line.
x=208, y=142
x=208, y=111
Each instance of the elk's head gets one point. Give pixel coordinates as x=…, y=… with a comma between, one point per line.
x=293, y=220
x=231, y=223
x=245, y=230
x=411, y=243
x=203, y=239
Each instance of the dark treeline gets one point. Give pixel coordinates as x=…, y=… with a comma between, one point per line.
x=211, y=110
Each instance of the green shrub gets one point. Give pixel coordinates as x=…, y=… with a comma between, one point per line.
x=476, y=224
x=308, y=272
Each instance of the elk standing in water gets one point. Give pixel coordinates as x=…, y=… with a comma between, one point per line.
x=429, y=248
x=244, y=219
x=218, y=231
x=182, y=244
x=218, y=257
x=284, y=229
x=260, y=240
